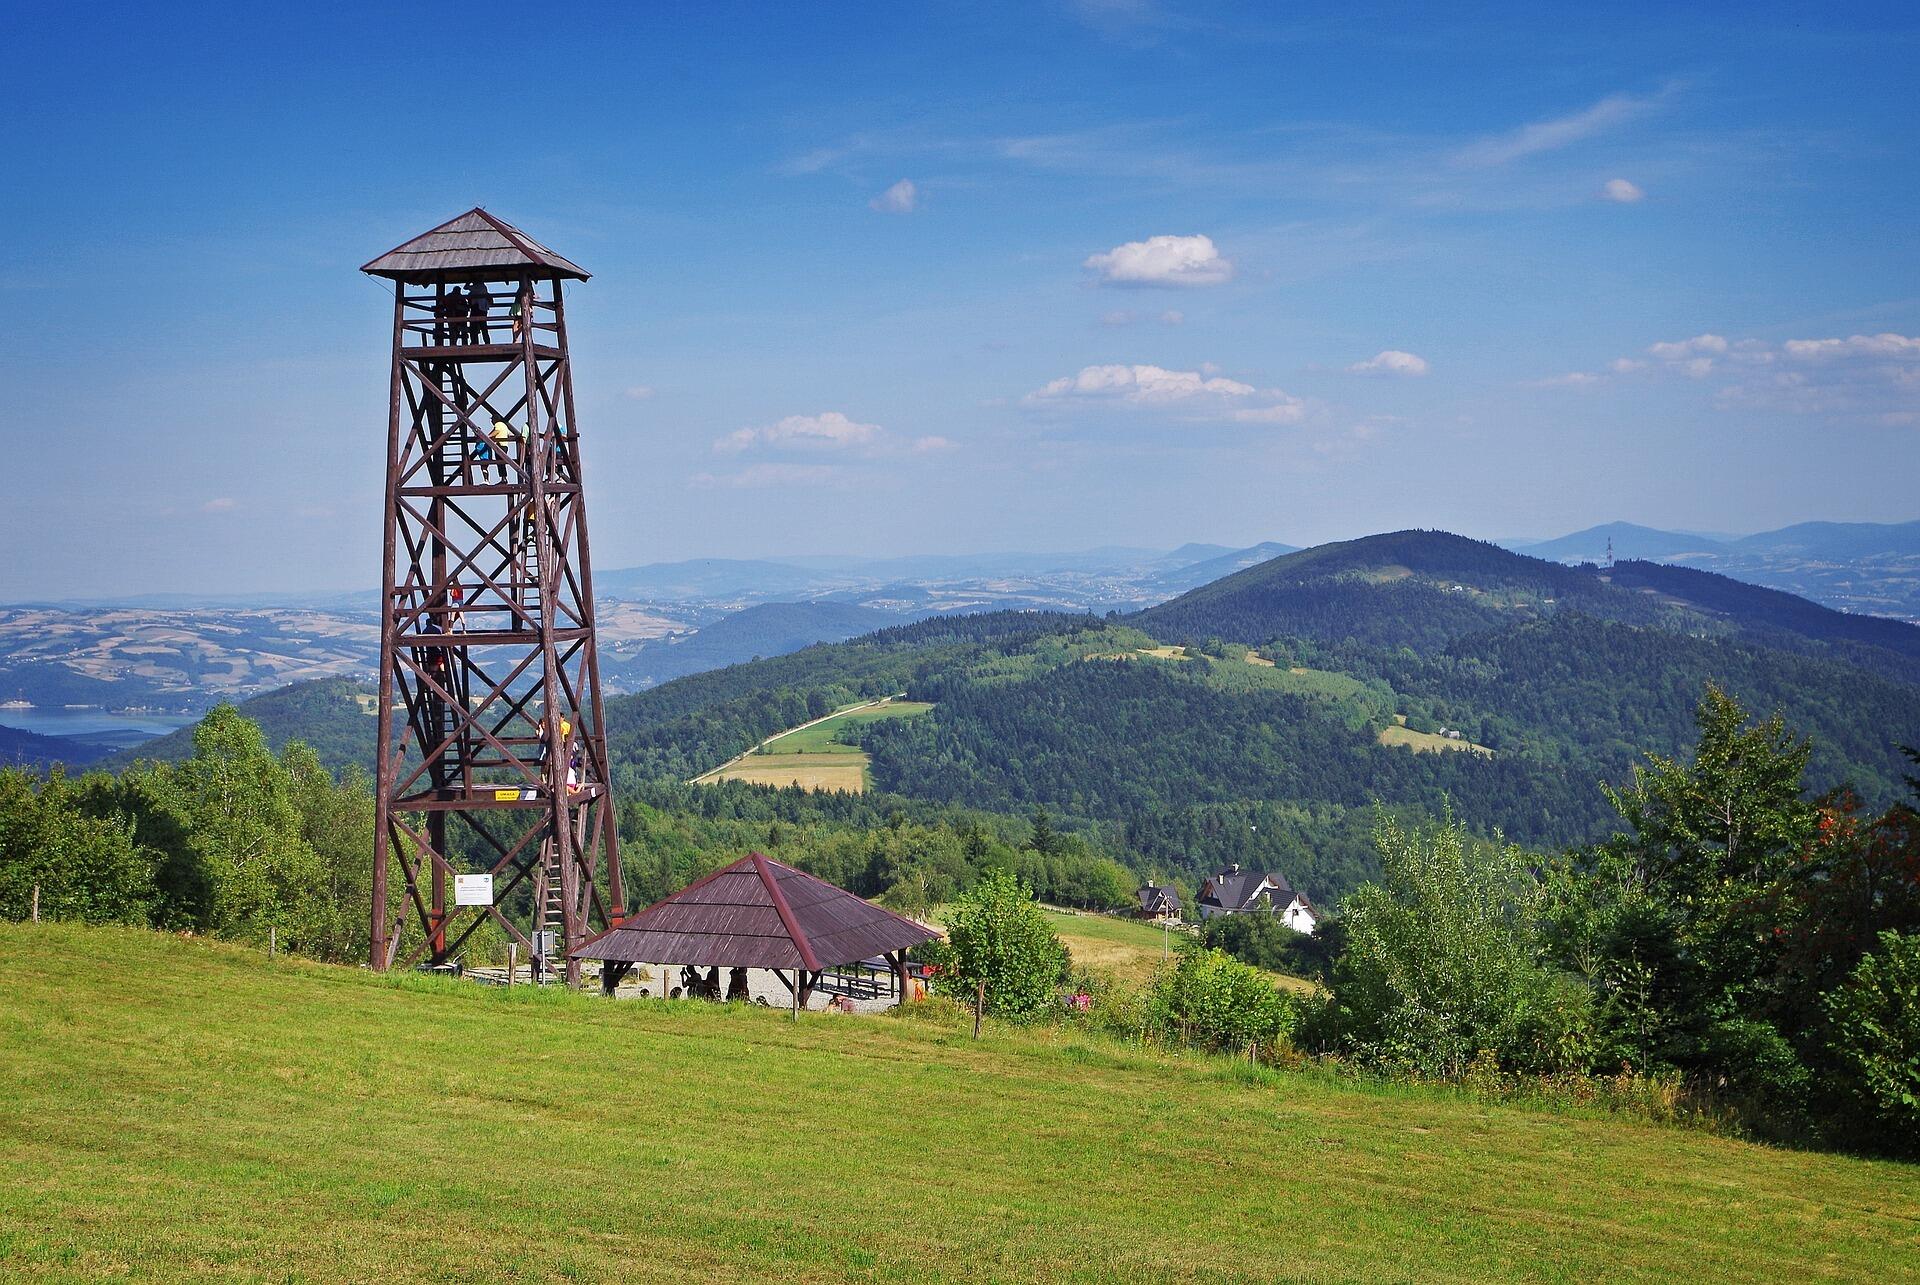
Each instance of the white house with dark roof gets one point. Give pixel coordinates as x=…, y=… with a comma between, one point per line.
x=1239, y=892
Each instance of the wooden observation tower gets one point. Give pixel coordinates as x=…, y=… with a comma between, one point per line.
x=493, y=754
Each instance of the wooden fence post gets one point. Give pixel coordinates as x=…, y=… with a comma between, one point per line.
x=36, y=903
x=513, y=962
x=979, y=1004
x=273, y=941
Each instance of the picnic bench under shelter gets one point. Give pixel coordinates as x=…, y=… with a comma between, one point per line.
x=759, y=913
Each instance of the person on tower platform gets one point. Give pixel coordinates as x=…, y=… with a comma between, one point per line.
x=452, y=312
x=479, y=304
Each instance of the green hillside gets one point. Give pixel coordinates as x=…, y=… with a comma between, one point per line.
x=1424, y=589
x=334, y=716
x=226, y=1117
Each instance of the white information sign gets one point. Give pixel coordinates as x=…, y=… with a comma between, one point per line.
x=473, y=890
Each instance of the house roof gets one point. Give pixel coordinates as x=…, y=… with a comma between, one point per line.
x=758, y=913
x=1152, y=895
x=1238, y=889
x=472, y=246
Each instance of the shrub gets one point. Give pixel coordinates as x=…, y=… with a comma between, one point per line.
x=1876, y=1031
x=999, y=935
x=1214, y=1001
x=1444, y=961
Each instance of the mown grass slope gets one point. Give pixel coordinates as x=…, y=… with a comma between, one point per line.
x=1130, y=949
x=177, y=1110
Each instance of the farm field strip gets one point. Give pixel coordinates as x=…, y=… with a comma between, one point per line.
x=809, y=755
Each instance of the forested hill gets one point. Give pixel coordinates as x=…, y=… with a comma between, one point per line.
x=1424, y=589
x=332, y=715
x=32, y=750
x=1775, y=615
x=1264, y=718
x=769, y=629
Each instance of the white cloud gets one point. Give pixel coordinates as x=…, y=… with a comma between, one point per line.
x=1680, y=349
x=1572, y=379
x=639, y=392
x=1163, y=261
x=223, y=504
x=1561, y=131
x=1622, y=191
x=1288, y=410
x=1390, y=362
x=1625, y=365
x=1118, y=317
x=1885, y=345
x=1873, y=377
x=770, y=474
x=1194, y=394
x=1172, y=317
x=898, y=199
x=1146, y=385
x=829, y=430
x=933, y=445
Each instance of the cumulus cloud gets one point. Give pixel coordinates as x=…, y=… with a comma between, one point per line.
x=1172, y=317
x=770, y=474
x=1148, y=385
x=1622, y=191
x=933, y=444
x=1572, y=379
x=1390, y=362
x=222, y=504
x=1864, y=376
x=1288, y=410
x=829, y=430
x=1163, y=261
x=1192, y=394
x=1899, y=347
x=898, y=199
x=1681, y=349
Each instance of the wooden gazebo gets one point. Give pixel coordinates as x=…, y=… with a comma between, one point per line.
x=759, y=913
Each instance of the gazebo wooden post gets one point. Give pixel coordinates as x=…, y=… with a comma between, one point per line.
x=899, y=961
x=796, y=993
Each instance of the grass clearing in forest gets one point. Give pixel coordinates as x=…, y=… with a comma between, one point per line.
x=809, y=756
x=177, y=1110
x=1427, y=742
x=828, y=772
x=819, y=738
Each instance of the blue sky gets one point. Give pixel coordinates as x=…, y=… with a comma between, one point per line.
x=886, y=278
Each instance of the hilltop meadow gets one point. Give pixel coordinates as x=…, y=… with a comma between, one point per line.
x=184, y=1110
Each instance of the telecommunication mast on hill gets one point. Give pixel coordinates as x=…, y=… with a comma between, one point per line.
x=493, y=758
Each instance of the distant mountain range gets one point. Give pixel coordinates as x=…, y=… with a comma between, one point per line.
x=1870, y=568
x=666, y=620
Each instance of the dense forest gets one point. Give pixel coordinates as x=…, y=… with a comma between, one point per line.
x=1175, y=761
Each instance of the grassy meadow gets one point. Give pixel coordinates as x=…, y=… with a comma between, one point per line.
x=1427, y=742
x=821, y=771
x=1130, y=949
x=811, y=756
x=179, y=1110
x=820, y=738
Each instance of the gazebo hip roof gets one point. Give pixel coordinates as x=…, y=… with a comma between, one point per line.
x=758, y=913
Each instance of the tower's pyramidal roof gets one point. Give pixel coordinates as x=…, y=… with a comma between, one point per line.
x=468, y=246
